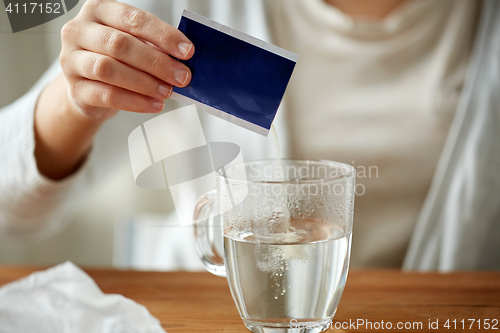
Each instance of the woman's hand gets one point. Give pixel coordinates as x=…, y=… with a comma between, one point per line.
x=115, y=56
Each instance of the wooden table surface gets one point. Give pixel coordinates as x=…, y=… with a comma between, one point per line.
x=200, y=302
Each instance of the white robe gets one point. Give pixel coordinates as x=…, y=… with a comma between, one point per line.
x=458, y=226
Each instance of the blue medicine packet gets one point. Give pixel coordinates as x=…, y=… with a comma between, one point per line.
x=235, y=76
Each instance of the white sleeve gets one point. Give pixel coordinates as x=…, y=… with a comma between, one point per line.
x=30, y=204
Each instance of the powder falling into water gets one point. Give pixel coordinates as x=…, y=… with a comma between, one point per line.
x=273, y=258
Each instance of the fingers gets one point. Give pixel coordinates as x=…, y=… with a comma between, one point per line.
x=115, y=56
x=144, y=25
x=90, y=95
x=98, y=67
x=133, y=52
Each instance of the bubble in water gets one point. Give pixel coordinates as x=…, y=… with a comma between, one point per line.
x=274, y=259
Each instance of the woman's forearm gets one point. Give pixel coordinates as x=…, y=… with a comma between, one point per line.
x=63, y=136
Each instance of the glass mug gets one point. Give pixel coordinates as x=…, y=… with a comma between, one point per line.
x=285, y=245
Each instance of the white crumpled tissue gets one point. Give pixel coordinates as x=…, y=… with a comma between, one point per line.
x=65, y=299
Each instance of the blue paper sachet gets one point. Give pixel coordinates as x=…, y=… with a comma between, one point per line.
x=235, y=76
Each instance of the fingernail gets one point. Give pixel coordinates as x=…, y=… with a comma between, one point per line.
x=184, y=48
x=158, y=105
x=164, y=90
x=181, y=75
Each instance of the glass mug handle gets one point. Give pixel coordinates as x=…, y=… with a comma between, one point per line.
x=207, y=234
